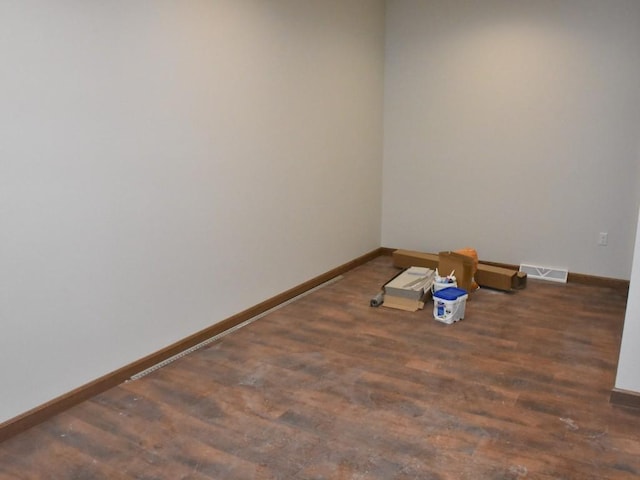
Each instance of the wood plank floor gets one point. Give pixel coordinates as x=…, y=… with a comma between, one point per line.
x=329, y=388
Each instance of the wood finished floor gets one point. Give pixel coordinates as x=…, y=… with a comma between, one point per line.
x=329, y=388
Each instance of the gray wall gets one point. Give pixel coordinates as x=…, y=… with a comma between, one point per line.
x=512, y=127
x=164, y=165
x=628, y=375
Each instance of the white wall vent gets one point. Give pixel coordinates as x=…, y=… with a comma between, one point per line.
x=545, y=273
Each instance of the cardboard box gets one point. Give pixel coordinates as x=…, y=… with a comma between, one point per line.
x=409, y=289
x=445, y=262
x=410, y=258
x=486, y=276
x=500, y=278
x=461, y=265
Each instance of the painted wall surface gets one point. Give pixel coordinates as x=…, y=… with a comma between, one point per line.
x=628, y=374
x=164, y=165
x=511, y=127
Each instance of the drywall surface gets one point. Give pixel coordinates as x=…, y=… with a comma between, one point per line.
x=164, y=165
x=628, y=375
x=511, y=127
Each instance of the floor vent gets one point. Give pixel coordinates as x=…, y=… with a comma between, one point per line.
x=545, y=273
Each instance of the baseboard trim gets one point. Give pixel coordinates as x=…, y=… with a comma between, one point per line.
x=625, y=398
x=580, y=278
x=47, y=410
x=583, y=279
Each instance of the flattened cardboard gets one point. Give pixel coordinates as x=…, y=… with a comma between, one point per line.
x=461, y=265
x=401, y=303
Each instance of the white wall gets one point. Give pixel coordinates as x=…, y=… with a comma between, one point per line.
x=529, y=112
x=628, y=375
x=164, y=165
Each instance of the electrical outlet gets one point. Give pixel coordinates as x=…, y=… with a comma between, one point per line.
x=603, y=239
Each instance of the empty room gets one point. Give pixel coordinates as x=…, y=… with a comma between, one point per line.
x=199, y=200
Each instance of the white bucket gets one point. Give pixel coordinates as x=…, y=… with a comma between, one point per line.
x=447, y=310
